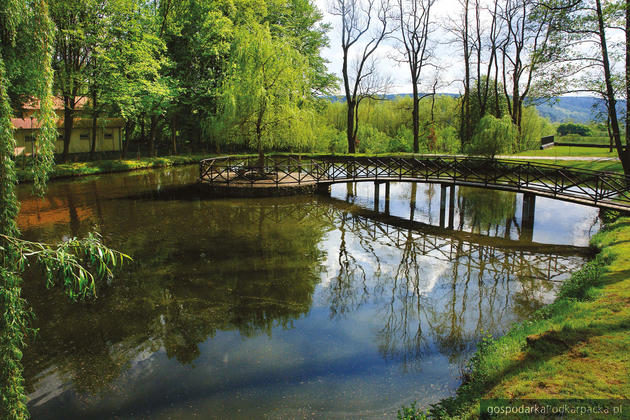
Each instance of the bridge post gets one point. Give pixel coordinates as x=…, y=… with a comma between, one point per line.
x=451, y=206
x=323, y=189
x=377, y=193
x=412, y=204
x=349, y=190
x=387, y=197
x=527, y=218
x=442, y=204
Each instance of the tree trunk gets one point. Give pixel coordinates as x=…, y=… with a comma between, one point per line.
x=143, y=136
x=351, y=129
x=68, y=123
x=128, y=131
x=93, y=142
x=174, y=136
x=94, y=125
x=610, y=92
x=415, y=117
x=152, y=134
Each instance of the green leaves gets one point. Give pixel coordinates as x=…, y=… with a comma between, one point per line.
x=76, y=263
x=265, y=98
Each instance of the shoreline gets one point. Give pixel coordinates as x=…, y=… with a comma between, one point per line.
x=573, y=348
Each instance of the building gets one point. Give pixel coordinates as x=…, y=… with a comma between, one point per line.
x=108, y=131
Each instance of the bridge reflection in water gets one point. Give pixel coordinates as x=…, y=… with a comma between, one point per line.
x=447, y=284
x=527, y=213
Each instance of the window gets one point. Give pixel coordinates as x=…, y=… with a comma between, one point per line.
x=85, y=135
x=108, y=135
x=29, y=138
x=60, y=137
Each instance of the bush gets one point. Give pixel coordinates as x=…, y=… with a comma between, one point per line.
x=493, y=136
x=572, y=128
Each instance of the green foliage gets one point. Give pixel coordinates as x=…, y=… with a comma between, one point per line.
x=410, y=413
x=388, y=125
x=533, y=128
x=265, y=99
x=77, y=263
x=71, y=262
x=493, y=136
x=573, y=128
x=580, y=285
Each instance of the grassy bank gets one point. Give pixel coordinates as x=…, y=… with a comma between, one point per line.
x=68, y=170
x=558, y=151
x=576, y=347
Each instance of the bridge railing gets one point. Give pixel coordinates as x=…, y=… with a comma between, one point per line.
x=603, y=189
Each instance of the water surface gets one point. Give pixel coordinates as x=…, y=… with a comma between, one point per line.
x=307, y=306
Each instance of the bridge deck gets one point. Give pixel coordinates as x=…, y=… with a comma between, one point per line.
x=592, y=188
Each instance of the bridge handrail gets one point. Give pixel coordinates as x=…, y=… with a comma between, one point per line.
x=547, y=179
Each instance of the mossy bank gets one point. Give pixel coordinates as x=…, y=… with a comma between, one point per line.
x=73, y=169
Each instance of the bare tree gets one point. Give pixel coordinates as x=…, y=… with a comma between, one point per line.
x=364, y=25
x=460, y=28
x=589, y=57
x=415, y=27
x=525, y=50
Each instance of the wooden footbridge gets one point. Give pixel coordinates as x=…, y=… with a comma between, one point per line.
x=284, y=172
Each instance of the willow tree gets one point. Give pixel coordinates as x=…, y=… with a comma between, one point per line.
x=265, y=100
x=72, y=263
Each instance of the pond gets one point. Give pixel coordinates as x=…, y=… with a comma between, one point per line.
x=305, y=306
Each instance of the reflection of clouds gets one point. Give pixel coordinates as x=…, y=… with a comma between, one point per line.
x=559, y=222
x=433, y=269
x=48, y=384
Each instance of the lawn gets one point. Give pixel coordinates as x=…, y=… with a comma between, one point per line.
x=557, y=151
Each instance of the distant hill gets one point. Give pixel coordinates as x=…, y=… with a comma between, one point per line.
x=580, y=109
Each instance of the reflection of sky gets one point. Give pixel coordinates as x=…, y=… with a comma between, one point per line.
x=373, y=340
x=556, y=222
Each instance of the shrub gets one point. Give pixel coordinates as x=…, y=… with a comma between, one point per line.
x=573, y=128
x=493, y=136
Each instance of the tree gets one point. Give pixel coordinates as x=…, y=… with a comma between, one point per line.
x=493, y=136
x=414, y=22
x=74, y=263
x=357, y=25
x=130, y=68
x=525, y=50
x=77, y=23
x=461, y=30
x=593, y=69
x=265, y=97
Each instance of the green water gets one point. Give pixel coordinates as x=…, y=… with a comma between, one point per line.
x=308, y=306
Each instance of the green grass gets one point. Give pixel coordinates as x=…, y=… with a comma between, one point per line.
x=557, y=151
x=598, y=137
x=596, y=165
x=66, y=170
x=576, y=347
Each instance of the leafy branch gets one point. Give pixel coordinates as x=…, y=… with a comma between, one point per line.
x=78, y=263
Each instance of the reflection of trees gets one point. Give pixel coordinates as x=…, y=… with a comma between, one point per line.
x=486, y=211
x=224, y=267
x=481, y=287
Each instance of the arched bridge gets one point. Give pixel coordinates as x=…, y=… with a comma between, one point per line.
x=593, y=188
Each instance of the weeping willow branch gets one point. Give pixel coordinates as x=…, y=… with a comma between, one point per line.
x=77, y=263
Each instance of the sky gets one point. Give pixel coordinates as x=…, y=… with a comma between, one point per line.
x=448, y=56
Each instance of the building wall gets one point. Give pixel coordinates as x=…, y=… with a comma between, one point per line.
x=107, y=140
